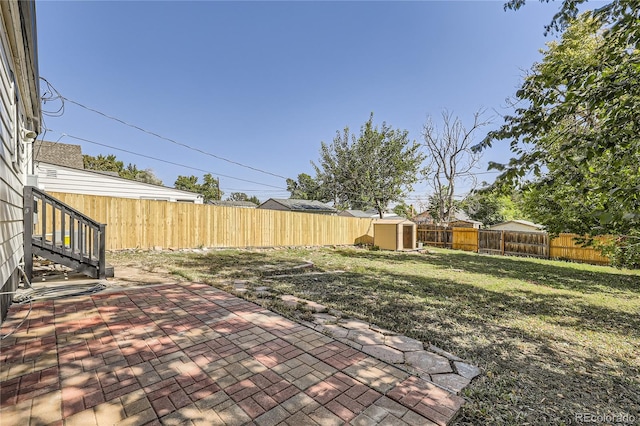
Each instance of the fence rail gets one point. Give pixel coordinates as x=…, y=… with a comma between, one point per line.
x=511, y=243
x=147, y=224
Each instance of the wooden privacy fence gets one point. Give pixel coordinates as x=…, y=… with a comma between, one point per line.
x=434, y=235
x=511, y=243
x=133, y=223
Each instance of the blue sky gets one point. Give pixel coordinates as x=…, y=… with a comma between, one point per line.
x=263, y=83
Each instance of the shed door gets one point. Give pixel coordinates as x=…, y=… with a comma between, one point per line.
x=407, y=237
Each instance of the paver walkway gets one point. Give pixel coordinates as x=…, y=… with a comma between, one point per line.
x=192, y=354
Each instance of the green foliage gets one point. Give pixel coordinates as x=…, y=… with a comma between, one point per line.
x=102, y=163
x=404, y=210
x=491, y=207
x=241, y=196
x=569, y=11
x=132, y=172
x=624, y=252
x=371, y=170
x=307, y=188
x=209, y=188
x=442, y=207
x=576, y=131
x=109, y=163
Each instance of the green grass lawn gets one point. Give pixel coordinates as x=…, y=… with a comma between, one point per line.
x=553, y=339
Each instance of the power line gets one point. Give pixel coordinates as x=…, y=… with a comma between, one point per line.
x=170, y=140
x=167, y=162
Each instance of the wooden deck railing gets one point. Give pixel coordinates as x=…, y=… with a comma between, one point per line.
x=63, y=234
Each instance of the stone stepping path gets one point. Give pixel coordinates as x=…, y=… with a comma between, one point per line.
x=432, y=363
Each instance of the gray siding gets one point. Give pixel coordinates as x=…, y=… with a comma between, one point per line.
x=19, y=119
x=11, y=179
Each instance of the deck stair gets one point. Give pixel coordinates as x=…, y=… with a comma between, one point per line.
x=63, y=235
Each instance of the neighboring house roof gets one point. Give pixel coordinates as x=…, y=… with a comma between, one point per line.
x=466, y=221
x=423, y=217
x=393, y=221
x=62, y=154
x=355, y=213
x=374, y=213
x=520, y=222
x=228, y=203
x=57, y=178
x=301, y=205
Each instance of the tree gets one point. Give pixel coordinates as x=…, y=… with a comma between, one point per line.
x=370, y=171
x=439, y=212
x=451, y=159
x=241, y=196
x=209, y=188
x=491, y=207
x=111, y=164
x=102, y=163
x=621, y=12
x=404, y=210
x=306, y=188
x=575, y=131
x=132, y=172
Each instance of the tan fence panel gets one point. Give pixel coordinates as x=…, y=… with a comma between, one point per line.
x=565, y=247
x=465, y=239
x=147, y=224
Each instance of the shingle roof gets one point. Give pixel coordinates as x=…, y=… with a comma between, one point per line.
x=62, y=154
x=356, y=213
x=303, y=205
x=227, y=203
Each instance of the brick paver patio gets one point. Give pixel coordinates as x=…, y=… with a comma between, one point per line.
x=192, y=354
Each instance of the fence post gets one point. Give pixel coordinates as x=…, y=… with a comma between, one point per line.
x=102, y=253
x=502, y=242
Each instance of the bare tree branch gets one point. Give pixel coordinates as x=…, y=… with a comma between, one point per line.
x=452, y=158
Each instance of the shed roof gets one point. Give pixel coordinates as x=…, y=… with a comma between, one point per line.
x=392, y=221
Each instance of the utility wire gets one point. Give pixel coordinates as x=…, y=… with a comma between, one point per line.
x=171, y=140
x=167, y=162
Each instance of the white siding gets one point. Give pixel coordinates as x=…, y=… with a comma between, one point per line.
x=55, y=178
x=11, y=175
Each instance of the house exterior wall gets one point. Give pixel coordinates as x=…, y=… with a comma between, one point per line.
x=56, y=178
x=20, y=110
